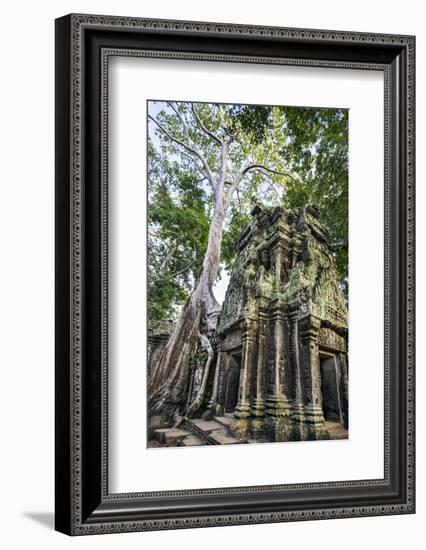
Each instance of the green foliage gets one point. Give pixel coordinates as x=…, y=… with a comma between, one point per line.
x=316, y=149
x=178, y=224
x=307, y=146
x=237, y=220
x=253, y=120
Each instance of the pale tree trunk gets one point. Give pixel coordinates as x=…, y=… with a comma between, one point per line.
x=168, y=381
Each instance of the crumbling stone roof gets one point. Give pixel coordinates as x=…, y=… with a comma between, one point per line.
x=285, y=255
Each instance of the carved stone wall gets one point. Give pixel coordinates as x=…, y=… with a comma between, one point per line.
x=285, y=317
x=158, y=335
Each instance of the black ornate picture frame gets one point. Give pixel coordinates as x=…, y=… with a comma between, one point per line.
x=84, y=44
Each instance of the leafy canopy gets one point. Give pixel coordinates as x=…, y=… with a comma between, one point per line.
x=306, y=147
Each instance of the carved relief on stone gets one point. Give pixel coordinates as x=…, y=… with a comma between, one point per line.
x=232, y=341
x=329, y=339
x=283, y=305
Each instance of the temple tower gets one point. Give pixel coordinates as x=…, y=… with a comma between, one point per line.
x=281, y=366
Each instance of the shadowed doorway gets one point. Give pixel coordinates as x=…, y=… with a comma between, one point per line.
x=232, y=383
x=332, y=388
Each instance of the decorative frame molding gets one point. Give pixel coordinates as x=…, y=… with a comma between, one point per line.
x=84, y=44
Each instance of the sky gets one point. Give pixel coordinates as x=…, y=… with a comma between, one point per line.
x=221, y=284
x=219, y=288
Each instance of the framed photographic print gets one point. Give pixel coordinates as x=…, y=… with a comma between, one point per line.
x=234, y=274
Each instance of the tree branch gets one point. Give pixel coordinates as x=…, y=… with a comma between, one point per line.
x=177, y=273
x=274, y=189
x=165, y=263
x=190, y=148
x=197, y=167
x=248, y=169
x=263, y=168
x=224, y=148
x=203, y=127
x=184, y=125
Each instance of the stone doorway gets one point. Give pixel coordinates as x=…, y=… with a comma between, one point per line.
x=232, y=382
x=331, y=388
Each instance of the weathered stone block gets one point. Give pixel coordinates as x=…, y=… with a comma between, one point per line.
x=170, y=436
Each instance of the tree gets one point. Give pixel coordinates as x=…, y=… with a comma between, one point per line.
x=228, y=156
x=178, y=224
x=317, y=150
x=210, y=140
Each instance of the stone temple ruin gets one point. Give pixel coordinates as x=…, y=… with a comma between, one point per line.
x=281, y=365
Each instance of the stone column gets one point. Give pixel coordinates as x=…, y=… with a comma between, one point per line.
x=309, y=331
x=213, y=408
x=277, y=405
x=258, y=405
x=221, y=388
x=278, y=422
x=300, y=430
x=344, y=368
x=190, y=390
x=242, y=410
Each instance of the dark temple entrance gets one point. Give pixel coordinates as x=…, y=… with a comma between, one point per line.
x=232, y=382
x=332, y=388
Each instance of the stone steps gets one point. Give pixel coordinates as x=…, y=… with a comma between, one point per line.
x=221, y=437
x=227, y=421
x=212, y=432
x=176, y=437
x=170, y=437
x=202, y=428
x=336, y=430
x=196, y=431
x=154, y=423
x=192, y=441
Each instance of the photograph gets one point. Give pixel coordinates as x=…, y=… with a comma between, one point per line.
x=234, y=267
x=248, y=287
x=211, y=253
